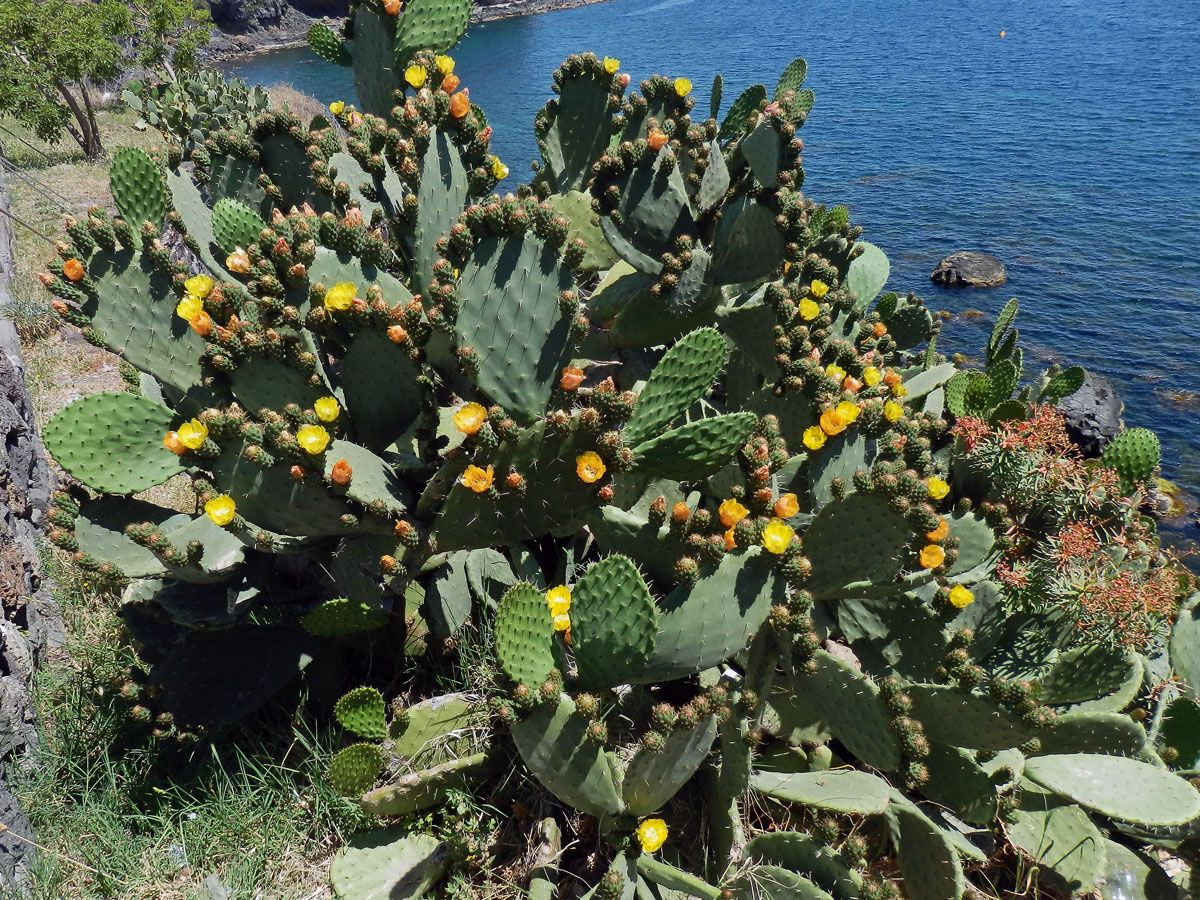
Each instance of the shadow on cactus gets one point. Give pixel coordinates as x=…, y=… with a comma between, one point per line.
x=722, y=530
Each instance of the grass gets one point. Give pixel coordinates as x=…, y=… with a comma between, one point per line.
x=122, y=813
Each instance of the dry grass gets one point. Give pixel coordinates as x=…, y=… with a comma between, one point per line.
x=284, y=96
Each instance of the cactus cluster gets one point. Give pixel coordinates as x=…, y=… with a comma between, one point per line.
x=192, y=106
x=722, y=511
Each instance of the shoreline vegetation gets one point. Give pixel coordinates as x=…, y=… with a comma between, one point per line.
x=227, y=46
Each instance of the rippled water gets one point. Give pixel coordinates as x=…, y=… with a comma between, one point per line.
x=1069, y=148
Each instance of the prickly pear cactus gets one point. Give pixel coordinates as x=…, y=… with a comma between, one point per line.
x=648, y=449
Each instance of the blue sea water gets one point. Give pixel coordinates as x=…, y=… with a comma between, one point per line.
x=1070, y=148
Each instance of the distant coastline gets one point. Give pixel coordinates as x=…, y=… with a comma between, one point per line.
x=289, y=28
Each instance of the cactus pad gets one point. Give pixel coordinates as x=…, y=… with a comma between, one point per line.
x=653, y=778
x=695, y=450
x=1135, y=455
x=928, y=860
x=113, y=442
x=362, y=711
x=379, y=383
x=613, y=623
x=343, y=616
x=837, y=790
x=524, y=638
x=327, y=45
x=1121, y=788
x=235, y=225
x=684, y=374
x=355, y=769
x=1060, y=838
x=387, y=864
x=434, y=25
x=138, y=188
x=865, y=523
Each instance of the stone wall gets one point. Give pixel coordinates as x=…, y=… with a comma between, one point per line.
x=30, y=625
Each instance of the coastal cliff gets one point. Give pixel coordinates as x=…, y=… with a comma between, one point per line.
x=248, y=26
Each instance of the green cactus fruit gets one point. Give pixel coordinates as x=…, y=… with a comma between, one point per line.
x=792, y=78
x=840, y=791
x=613, y=623
x=1118, y=787
x=235, y=225
x=343, y=616
x=396, y=864
x=524, y=637
x=138, y=188
x=554, y=745
x=327, y=45
x=1061, y=838
x=652, y=778
x=113, y=442
x=355, y=769
x=696, y=450
x=362, y=711
x=1135, y=454
x=434, y=25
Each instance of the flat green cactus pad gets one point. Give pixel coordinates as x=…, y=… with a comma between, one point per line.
x=355, y=769
x=613, y=623
x=684, y=374
x=138, y=188
x=113, y=442
x=1114, y=786
x=865, y=523
x=1061, y=838
x=343, y=616
x=928, y=860
x=803, y=853
x=362, y=711
x=387, y=865
x=836, y=790
x=653, y=778
x=524, y=638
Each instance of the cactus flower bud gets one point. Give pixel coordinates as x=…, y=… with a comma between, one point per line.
x=572, y=377
x=460, y=104
x=341, y=473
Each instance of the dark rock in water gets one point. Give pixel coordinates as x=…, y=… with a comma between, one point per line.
x=1093, y=414
x=968, y=269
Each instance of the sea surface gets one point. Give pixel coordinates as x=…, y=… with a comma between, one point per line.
x=1069, y=147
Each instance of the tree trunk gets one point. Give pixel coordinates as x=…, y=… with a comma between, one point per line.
x=91, y=114
x=86, y=134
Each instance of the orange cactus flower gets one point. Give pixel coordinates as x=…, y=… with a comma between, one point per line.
x=932, y=556
x=450, y=83
x=731, y=512
x=851, y=384
x=786, y=506
x=397, y=334
x=730, y=542
x=73, y=269
x=460, y=104
x=880, y=329
x=46, y=279
x=477, y=479
x=202, y=324
x=657, y=139
x=172, y=442
x=891, y=378
x=392, y=7
x=832, y=422
x=589, y=467
x=341, y=473
x=572, y=377
x=939, y=533
x=680, y=512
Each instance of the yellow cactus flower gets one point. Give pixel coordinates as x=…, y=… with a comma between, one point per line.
x=899, y=390
x=313, y=439
x=189, y=307
x=814, y=437
x=416, y=75
x=932, y=556
x=730, y=541
x=871, y=376
x=470, y=418
x=938, y=534
x=200, y=285
x=559, y=600
x=611, y=65
x=683, y=87
x=893, y=411
x=499, y=169
x=836, y=372
x=337, y=107
x=193, y=434
x=589, y=467
x=731, y=512
x=809, y=309
x=477, y=479
x=937, y=488
x=445, y=64
x=960, y=597
x=341, y=296
x=561, y=622
x=818, y=288
x=786, y=506
x=652, y=834
x=327, y=408
x=777, y=535
x=220, y=509
x=848, y=411
x=832, y=422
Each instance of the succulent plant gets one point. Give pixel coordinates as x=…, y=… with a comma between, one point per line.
x=650, y=419
x=195, y=105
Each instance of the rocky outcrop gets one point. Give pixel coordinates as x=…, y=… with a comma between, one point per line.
x=969, y=269
x=29, y=624
x=1093, y=414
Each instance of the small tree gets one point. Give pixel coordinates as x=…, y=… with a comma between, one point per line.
x=51, y=49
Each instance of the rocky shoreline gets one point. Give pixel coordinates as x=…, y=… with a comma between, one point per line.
x=243, y=28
